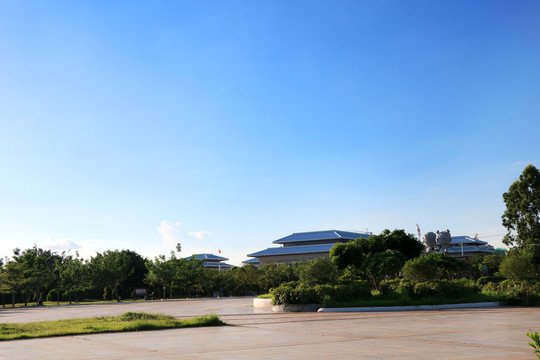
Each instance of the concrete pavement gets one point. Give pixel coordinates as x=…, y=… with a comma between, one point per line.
x=498, y=333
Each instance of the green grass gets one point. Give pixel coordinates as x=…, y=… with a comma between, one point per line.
x=265, y=296
x=380, y=300
x=129, y=321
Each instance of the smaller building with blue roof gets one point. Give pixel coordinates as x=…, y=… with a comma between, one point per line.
x=466, y=247
x=212, y=261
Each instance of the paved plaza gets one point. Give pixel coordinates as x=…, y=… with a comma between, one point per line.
x=492, y=333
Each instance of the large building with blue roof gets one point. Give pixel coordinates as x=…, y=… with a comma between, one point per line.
x=304, y=246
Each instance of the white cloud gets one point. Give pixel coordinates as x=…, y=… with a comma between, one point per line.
x=200, y=234
x=170, y=233
x=193, y=242
x=61, y=245
x=85, y=249
x=173, y=233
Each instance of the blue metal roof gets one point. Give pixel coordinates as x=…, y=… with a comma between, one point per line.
x=456, y=240
x=289, y=250
x=207, y=257
x=251, y=261
x=468, y=249
x=217, y=265
x=322, y=235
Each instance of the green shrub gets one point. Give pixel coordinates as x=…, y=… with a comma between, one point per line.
x=489, y=279
x=431, y=267
x=425, y=289
x=405, y=289
x=52, y=295
x=357, y=289
x=457, y=288
x=292, y=293
x=524, y=293
x=493, y=287
x=454, y=289
x=387, y=287
x=289, y=294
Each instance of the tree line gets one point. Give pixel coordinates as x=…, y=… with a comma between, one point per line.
x=36, y=275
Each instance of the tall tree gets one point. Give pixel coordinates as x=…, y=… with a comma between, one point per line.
x=114, y=268
x=74, y=275
x=522, y=215
x=15, y=277
x=161, y=272
x=398, y=240
x=352, y=254
x=39, y=267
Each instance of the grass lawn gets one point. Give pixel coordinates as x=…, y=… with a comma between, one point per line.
x=129, y=321
x=54, y=303
x=265, y=296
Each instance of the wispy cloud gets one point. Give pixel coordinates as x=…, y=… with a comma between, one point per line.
x=171, y=233
x=201, y=235
x=61, y=245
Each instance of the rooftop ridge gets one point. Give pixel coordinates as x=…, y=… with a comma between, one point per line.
x=330, y=230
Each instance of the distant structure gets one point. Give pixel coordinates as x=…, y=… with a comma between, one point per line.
x=463, y=247
x=212, y=261
x=303, y=246
x=255, y=262
x=444, y=239
x=430, y=241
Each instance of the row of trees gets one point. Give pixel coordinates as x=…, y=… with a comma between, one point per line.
x=31, y=274
x=34, y=274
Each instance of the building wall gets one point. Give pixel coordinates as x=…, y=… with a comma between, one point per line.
x=289, y=259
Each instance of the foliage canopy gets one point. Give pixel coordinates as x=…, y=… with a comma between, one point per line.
x=522, y=215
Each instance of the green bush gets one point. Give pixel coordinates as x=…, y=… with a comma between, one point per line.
x=288, y=293
x=431, y=267
x=293, y=293
x=357, y=289
x=520, y=293
x=524, y=293
x=387, y=287
x=482, y=281
x=425, y=289
x=494, y=287
x=52, y=295
x=405, y=288
x=454, y=289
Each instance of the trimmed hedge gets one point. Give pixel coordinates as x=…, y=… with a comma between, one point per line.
x=526, y=293
x=454, y=289
x=294, y=293
x=482, y=281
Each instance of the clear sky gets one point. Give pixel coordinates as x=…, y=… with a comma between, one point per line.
x=230, y=124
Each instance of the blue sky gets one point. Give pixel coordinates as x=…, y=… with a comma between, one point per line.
x=230, y=124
